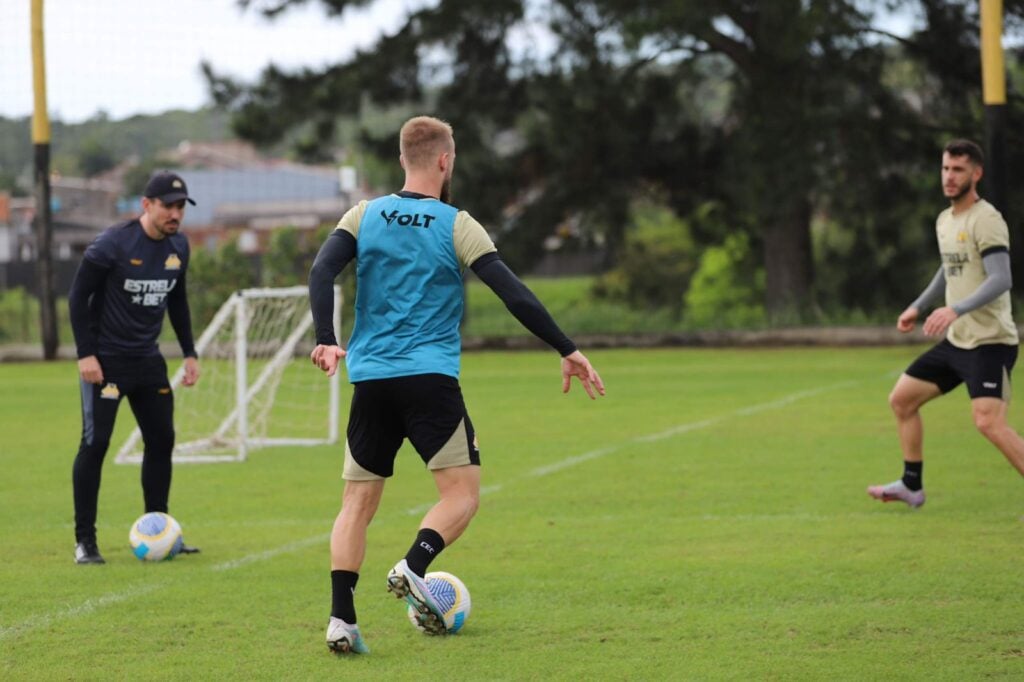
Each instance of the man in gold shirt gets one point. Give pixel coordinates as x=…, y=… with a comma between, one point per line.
x=980, y=347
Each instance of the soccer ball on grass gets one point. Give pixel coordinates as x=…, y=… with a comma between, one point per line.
x=155, y=536
x=452, y=596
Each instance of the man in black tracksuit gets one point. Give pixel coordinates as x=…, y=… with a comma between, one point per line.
x=130, y=274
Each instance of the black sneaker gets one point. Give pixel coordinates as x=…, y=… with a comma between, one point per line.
x=88, y=553
x=188, y=549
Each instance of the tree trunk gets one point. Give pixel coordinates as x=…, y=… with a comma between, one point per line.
x=788, y=263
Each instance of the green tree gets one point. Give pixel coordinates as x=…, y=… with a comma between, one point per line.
x=727, y=289
x=290, y=255
x=213, y=276
x=790, y=114
x=806, y=83
x=658, y=260
x=573, y=138
x=9, y=183
x=142, y=136
x=95, y=156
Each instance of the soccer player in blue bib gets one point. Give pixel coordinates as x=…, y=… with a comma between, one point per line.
x=403, y=358
x=131, y=274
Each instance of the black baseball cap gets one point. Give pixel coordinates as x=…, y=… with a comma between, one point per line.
x=168, y=188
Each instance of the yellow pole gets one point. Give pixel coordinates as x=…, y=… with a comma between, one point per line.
x=40, y=116
x=993, y=69
x=993, y=93
x=44, y=217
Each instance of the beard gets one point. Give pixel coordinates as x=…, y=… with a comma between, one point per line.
x=167, y=228
x=961, y=191
x=446, y=191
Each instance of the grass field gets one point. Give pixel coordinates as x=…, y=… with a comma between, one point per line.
x=706, y=520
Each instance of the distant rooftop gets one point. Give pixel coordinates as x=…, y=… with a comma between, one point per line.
x=282, y=183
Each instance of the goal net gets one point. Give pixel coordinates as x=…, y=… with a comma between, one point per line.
x=256, y=386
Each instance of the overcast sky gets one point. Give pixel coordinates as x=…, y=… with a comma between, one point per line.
x=128, y=57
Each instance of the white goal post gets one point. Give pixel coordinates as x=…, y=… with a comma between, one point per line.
x=256, y=386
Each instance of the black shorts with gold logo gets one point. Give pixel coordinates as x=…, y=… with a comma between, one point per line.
x=985, y=369
x=428, y=409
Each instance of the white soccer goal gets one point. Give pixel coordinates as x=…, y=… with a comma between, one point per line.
x=257, y=387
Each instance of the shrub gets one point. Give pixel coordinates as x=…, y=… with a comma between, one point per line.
x=19, y=318
x=657, y=262
x=213, y=276
x=728, y=289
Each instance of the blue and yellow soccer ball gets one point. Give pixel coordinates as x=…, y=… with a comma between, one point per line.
x=155, y=536
x=451, y=595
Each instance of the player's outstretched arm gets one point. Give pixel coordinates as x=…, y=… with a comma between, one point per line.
x=576, y=365
x=521, y=302
x=532, y=314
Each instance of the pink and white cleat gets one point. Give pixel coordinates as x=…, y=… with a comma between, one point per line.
x=897, y=492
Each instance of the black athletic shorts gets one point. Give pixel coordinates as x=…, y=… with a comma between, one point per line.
x=428, y=409
x=985, y=369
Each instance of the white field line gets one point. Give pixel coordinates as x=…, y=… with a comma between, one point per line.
x=573, y=461
x=687, y=428
x=792, y=398
x=90, y=605
x=677, y=430
x=271, y=553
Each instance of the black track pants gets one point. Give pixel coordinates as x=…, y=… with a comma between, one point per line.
x=144, y=382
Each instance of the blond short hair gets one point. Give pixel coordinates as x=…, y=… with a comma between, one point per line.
x=423, y=138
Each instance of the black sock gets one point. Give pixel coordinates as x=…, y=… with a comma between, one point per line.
x=428, y=545
x=343, y=589
x=913, y=475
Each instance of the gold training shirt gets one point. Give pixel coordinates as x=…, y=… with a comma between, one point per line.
x=964, y=239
